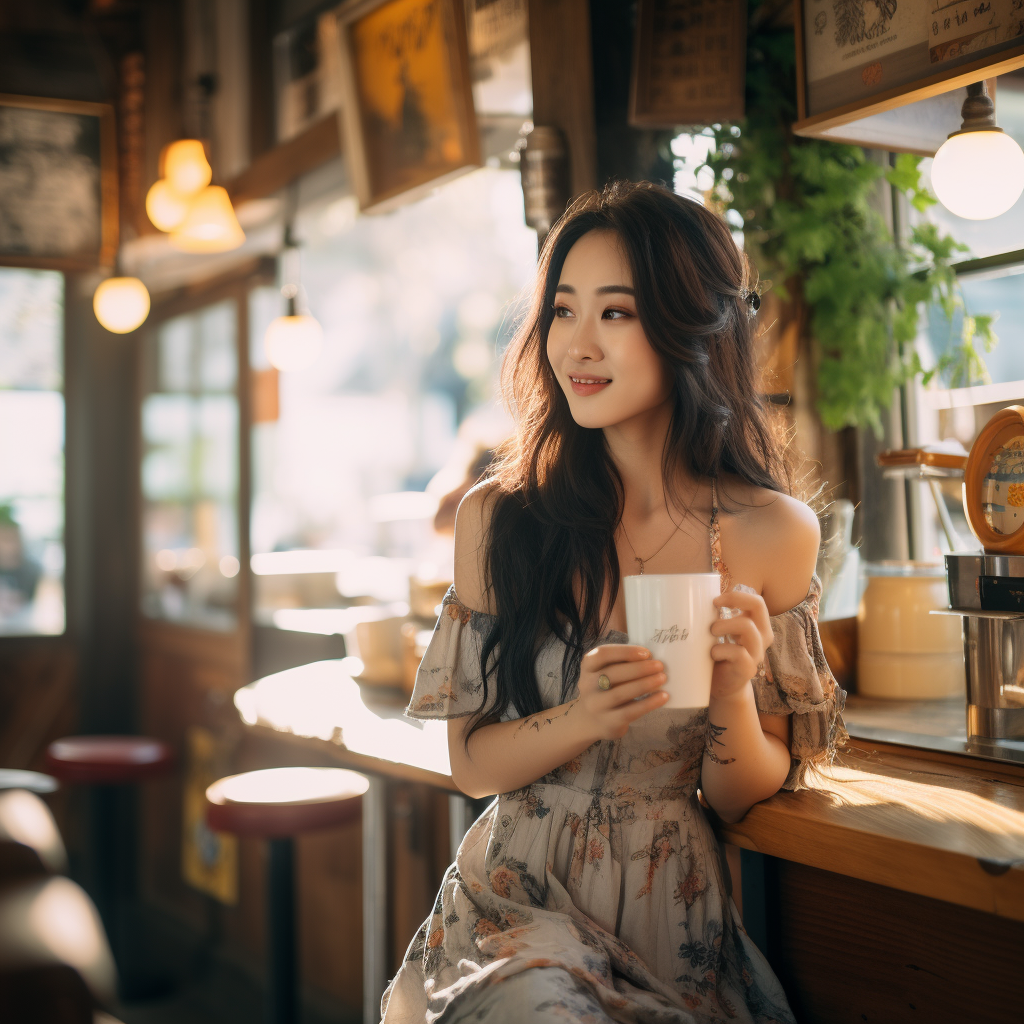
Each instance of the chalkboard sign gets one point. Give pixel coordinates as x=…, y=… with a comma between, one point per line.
x=689, y=65
x=857, y=59
x=58, y=183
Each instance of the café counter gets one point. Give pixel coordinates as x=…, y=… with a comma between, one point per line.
x=892, y=890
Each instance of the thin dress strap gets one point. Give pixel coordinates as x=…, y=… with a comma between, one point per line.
x=717, y=562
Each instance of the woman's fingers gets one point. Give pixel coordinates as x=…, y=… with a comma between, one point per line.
x=623, y=693
x=744, y=631
x=598, y=658
x=752, y=605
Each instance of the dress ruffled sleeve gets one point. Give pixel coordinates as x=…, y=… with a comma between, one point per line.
x=796, y=680
x=448, y=681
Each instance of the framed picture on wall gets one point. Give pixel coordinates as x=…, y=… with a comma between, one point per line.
x=689, y=63
x=861, y=61
x=58, y=183
x=407, y=106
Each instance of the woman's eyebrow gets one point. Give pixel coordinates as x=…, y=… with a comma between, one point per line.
x=605, y=289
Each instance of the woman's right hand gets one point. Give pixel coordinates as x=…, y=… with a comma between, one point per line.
x=632, y=674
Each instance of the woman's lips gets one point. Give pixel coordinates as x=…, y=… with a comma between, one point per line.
x=587, y=385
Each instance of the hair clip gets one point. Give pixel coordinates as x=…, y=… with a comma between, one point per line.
x=753, y=300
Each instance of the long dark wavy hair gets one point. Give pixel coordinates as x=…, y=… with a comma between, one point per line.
x=556, y=497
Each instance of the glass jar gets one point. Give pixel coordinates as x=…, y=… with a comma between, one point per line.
x=903, y=651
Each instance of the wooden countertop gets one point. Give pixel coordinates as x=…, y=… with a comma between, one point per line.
x=361, y=727
x=943, y=825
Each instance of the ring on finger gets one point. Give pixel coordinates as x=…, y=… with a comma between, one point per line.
x=603, y=682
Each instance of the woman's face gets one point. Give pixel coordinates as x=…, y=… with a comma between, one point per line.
x=596, y=346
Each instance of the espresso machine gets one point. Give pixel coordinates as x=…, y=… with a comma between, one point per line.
x=985, y=588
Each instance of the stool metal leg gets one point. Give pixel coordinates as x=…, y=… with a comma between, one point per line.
x=375, y=898
x=282, y=959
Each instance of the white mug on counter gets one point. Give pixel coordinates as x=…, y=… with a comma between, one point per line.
x=671, y=615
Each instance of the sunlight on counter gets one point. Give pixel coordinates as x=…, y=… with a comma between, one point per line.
x=321, y=701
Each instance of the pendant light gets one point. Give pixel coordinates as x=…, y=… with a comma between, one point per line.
x=184, y=171
x=210, y=224
x=199, y=216
x=292, y=341
x=978, y=172
x=121, y=304
x=165, y=207
x=186, y=168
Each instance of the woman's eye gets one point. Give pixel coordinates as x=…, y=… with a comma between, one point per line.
x=615, y=314
x=562, y=311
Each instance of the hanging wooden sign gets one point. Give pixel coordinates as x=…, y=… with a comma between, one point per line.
x=863, y=60
x=689, y=64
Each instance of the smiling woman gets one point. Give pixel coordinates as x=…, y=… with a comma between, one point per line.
x=633, y=380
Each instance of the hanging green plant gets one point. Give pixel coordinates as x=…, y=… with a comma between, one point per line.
x=806, y=210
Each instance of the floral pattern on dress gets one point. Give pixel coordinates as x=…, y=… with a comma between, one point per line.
x=599, y=892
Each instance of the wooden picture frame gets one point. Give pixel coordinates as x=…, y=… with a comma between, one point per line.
x=911, y=54
x=689, y=63
x=407, y=117
x=58, y=184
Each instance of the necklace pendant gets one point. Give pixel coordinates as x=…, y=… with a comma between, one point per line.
x=640, y=562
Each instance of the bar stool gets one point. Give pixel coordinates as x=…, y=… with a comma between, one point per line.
x=278, y=804
x=109, y=764
x=108, y=760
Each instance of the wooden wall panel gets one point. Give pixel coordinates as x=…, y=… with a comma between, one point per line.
x=850, y=952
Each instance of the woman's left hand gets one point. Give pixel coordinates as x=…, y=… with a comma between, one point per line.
x=749, y=633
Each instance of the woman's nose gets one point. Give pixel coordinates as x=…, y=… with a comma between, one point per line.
x=584, y=342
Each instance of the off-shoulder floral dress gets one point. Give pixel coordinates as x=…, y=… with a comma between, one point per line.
x=599, y=893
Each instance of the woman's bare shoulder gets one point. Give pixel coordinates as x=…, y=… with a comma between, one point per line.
x=778, y=536
x=472, y=523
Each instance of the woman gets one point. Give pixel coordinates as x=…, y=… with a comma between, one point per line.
x=593, y=888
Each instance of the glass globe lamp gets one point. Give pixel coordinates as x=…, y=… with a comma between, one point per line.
x=186, y=168
x=121, y=304
x=293, y=341
x=978, y=172
x=165, y=207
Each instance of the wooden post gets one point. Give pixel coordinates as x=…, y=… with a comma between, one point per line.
x=563, y=81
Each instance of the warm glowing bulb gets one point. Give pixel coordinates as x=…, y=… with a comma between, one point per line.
x=121, y=304
x=978, y=175
x=210, y=224
x=293, y=342
x=185, y=166
x=165, y=207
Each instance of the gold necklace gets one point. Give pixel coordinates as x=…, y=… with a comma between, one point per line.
x=640, y=561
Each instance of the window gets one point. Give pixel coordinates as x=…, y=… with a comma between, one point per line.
x=190, y=557
x=992, y=282
x=415, y=307
x=31, y=452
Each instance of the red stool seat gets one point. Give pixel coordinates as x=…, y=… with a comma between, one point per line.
x=284, y=801
x=108, y=759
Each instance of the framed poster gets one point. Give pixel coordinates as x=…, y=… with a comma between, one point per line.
x=58, y=183
x=689, y=63
x=407, y=106
x=857, y=59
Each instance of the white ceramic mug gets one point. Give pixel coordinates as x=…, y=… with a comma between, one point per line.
x=671, y=615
